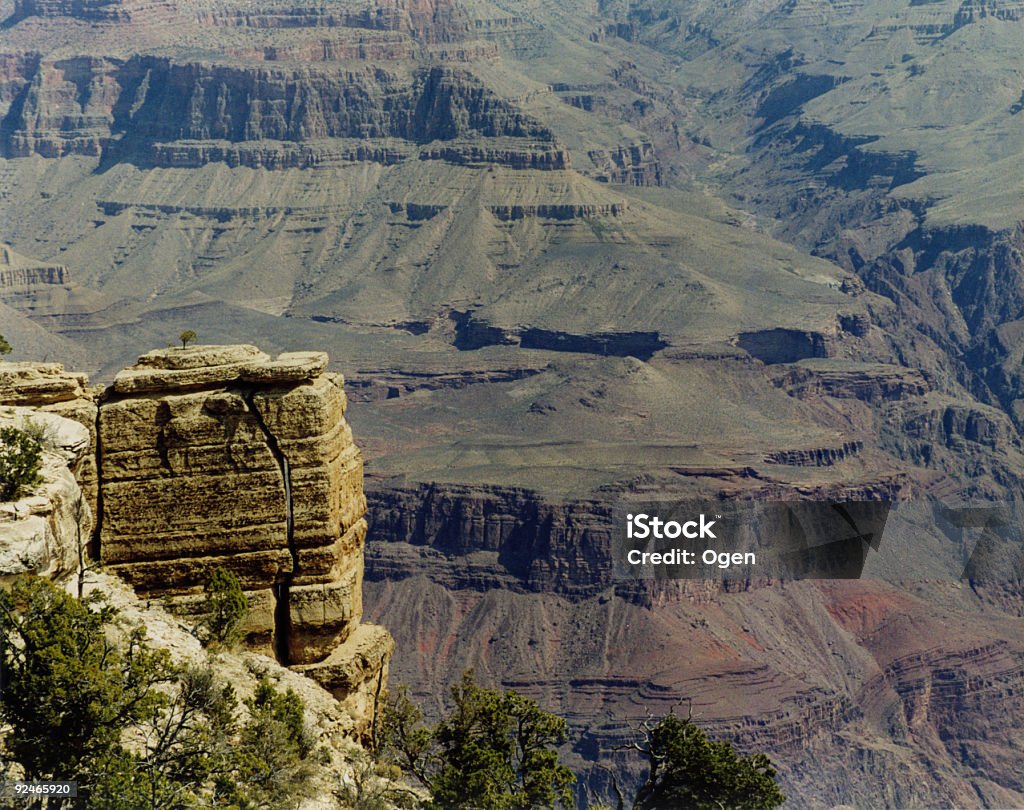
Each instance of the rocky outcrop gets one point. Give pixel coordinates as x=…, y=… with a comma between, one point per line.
x=40, y=384
x=48, y=388
x=633, y=165
x=490, y=537
x=541, y=156
x=212, y=456
x=815, y=456
x=563, y=212
x=873, y=383
x=19, y=274
x=473, y=332
x=88, y=105
x=46, y=531
x=427, y=21
x=772, y=346
x=222, y=457
x=98, y=11
x=276, y=155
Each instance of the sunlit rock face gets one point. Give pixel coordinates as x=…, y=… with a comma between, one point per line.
x=201, y=458
x=43, y=531
x=219, y=456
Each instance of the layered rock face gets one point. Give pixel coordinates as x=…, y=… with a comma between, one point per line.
x=18, y=274
x=142, y=104
x=210, y=457
x=221, y=457
x=47, y=388
x=45, y=532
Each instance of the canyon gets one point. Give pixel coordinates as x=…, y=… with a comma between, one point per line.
x=566, y=255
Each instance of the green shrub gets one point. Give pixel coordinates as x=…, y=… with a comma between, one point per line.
x=224, y=609
x=21, y=456
x=85, y=695
x=43, y=433
x=495, y=751
x=270, y=765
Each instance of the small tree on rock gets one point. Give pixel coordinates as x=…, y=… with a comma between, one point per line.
x=690, y=772
x=187, y=337
x=21, y=456
x=224, y=609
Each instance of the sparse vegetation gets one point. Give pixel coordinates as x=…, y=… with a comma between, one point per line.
x=373, y=785
x=41, y=432
x=495, y=751
x=84, y=695
x=498, y=751
x=21, y=456
x=5, y=347
x=224, y=609
x=186, y=337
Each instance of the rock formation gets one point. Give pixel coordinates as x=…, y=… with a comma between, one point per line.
x=44, y=531
x=49, y=389
x=19, y=274
x=219, y=456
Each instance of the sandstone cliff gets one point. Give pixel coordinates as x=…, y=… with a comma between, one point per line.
x=220, y=457
x=45, y=531
x=48, y=389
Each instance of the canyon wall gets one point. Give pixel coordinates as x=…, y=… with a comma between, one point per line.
x=220, y=457
x=88, y=105
x=845, y=684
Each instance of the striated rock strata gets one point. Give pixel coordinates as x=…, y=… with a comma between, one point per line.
x=220, y=456
x=217, y=456
x=46, y=530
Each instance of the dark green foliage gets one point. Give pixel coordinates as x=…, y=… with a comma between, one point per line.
x=5, y=347
x=187, y=337
x=495, y=751
x=68, y=689
x=690, y=772
x=85, y=699
x=270, y=769
x=21, y=456
x=224, y=609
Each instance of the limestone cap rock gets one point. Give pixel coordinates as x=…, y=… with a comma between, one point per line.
x=192, y=357
x=194, y=367
x=40, y=384
x=288, y=367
